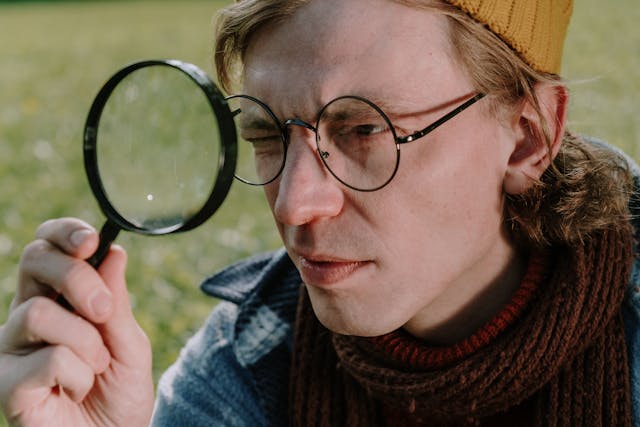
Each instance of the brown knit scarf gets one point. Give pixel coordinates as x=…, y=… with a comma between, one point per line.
x=563, y=363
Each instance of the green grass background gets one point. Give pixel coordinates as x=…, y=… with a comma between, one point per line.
x=55, y=56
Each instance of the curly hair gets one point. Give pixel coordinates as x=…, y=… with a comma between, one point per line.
x=585, y=189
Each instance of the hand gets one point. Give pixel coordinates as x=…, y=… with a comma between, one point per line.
x=91, y=367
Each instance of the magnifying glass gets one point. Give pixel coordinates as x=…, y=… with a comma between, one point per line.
x=159, y=150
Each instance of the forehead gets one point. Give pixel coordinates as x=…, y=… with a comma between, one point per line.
x=327, y=48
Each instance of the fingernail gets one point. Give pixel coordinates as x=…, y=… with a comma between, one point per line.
x=100, y=303
x=79, y=236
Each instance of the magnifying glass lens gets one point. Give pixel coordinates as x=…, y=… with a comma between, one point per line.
x=159, y=147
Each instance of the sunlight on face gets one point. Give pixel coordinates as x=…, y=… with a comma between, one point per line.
x=413, y=252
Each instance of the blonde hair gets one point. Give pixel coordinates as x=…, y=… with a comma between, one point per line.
x=585, y=189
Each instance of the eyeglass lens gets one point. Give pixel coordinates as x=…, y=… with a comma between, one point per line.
x=261, y=146
x=355, y=141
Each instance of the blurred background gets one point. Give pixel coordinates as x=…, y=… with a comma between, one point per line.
x=54, y=56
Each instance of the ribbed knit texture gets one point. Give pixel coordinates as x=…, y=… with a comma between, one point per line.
x=563, y=363
x=535, y=29
x=406, y=351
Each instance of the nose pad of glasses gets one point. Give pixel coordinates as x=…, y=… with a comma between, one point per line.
x=298, y=122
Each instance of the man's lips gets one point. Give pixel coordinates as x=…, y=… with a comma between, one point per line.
x=325, y=271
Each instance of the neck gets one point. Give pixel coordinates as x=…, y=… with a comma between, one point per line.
x=473, y=300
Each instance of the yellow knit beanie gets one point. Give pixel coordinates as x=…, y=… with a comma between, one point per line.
x=535, y=29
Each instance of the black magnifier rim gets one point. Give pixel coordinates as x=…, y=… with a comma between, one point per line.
x=226, y=159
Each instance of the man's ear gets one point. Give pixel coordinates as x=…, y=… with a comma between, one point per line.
x=532, y=154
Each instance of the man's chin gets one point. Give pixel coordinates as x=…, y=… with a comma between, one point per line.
x=352, y=325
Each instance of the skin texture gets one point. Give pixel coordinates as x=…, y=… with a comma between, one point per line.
x=428, y=253
x=58, y=368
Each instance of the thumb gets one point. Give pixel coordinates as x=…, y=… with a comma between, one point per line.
x=121, y=333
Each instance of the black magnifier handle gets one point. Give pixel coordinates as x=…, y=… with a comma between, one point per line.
x=126, y=127
x=108, y=234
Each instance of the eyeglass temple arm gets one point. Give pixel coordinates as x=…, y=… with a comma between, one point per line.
x=440, y=121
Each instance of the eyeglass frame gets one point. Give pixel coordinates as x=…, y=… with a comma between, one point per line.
x=399, y=140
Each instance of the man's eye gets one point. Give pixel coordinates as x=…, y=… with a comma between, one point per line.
x=259, y=136
x=369, y=129
x=359, y=130
x=268, y=145
x=263, y=140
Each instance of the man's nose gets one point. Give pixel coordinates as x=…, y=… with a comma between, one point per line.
x=306, y=189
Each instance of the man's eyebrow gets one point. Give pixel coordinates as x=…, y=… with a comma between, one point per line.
x=396, y=109
x=388, y=102
x=353, y=111
x=254, y=122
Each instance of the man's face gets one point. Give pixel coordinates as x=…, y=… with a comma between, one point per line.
x=415, y=252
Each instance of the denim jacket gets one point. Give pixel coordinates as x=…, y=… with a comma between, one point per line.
x=235, y=370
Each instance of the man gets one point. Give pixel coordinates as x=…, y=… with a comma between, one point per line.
x=453, y=255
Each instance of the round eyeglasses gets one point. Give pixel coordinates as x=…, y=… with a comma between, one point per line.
x=354, y=138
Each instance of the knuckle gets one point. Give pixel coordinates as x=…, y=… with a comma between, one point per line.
x=61, y=362
x=88, y=344
x=36, y=312
x=58, y=358
x=46, y=225
x=76, y=272
x=59, y=228
x=34, y=251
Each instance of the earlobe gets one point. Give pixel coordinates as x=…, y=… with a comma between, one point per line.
x=534, y=149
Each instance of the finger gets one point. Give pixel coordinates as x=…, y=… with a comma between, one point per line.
x=121, y=334
x=31, y=378
x=71, y=235
x=44, y=268
x=40, y=321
